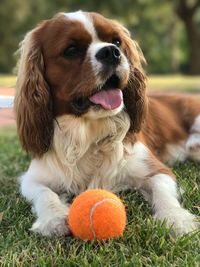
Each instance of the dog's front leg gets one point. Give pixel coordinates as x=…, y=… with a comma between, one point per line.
x=158, y=185
x=162, y=192
x=50, y=211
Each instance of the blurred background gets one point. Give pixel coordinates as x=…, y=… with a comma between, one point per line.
x=168, y=31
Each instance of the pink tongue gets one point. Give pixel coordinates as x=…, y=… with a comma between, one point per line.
x=109, y=99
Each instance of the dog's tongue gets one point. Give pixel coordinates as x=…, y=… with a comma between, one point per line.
x=108, y=99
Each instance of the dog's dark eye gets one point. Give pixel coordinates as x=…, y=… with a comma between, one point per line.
x=71, y=51
x=116, y=41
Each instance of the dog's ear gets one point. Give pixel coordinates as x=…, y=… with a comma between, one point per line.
x=33, y=101
x=135, y=99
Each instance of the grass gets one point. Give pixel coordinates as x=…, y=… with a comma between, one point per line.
x=145, y=243
x=174, y=83
x=7, y=80
x=155, y=82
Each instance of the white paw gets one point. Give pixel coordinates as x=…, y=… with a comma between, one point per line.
x=56, y=225
x=181, y=220
x=193, y=143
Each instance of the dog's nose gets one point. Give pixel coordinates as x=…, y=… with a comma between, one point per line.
x=109, y=55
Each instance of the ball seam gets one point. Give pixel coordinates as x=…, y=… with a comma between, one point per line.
x=92, y=210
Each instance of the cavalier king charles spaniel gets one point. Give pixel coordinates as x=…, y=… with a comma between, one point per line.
x=83, y=114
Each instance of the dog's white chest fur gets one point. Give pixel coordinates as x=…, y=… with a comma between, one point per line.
x=100, y=164
x=88, y=155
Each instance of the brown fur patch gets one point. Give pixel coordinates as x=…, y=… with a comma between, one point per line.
x=168, y=121
x=33, y=104
x=135, y=92
x=48, y=82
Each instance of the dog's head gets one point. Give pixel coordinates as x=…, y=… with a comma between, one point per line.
x=80, y=64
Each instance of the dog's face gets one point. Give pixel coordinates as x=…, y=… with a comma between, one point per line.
x=86, y=68
x=80, y=64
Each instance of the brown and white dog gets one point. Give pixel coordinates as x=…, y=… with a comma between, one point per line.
x=83, y=114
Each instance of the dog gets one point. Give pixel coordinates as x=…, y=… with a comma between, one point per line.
x=83, y=114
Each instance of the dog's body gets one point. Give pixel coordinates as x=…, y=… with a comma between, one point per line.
x=98, y=130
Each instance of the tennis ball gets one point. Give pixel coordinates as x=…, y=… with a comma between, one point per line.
x=97, y=215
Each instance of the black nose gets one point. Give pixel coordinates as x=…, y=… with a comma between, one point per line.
x=109, y=55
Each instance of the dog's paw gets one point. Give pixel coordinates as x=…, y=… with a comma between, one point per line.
x=56, y=225
x=181, y=220
x=193, y=146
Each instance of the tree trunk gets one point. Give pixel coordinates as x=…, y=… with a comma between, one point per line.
x=193, y=34
x=186, y=14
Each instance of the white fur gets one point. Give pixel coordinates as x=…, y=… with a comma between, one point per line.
x=102, y=113
x=189, y=148
x=91, y=154
x=93, y=49
x=167, y=207
x=96, y=44
x=196, y=126
x=193, y=141
x=122, y=70
x=50, y=211
x=85, y=20
x=175, y=153
x=81, y=158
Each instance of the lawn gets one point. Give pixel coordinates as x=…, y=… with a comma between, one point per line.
x=145, y=243
x=174, y=83
x=155, y=82
x=7, y=80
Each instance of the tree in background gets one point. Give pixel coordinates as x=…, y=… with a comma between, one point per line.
x=153, y=24
x=189, y=12
x=16, y=18
x=9, y=35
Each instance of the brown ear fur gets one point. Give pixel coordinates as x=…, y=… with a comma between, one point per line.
x=135, y=99
x=32, y=102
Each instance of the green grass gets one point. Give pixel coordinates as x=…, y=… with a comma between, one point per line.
x=145, y=243
x=7, y=80
x=174, y=83
x=155, y=82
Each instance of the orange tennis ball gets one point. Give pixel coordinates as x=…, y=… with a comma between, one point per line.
x=97, y=214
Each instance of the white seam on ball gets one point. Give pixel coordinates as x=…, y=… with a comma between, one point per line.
x=93, y=209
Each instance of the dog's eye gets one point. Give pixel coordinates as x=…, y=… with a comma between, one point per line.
x=116, y=41
x=71, y=51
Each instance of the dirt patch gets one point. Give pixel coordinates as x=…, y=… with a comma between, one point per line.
x=7, y=91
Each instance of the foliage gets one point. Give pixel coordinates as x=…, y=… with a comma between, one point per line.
x=169, y=83
x=152, y=22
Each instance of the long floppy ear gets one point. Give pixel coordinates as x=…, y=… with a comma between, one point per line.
x=135, y=99
x=32, y=101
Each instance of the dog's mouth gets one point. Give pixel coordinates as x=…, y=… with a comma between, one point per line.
x=108, y=96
